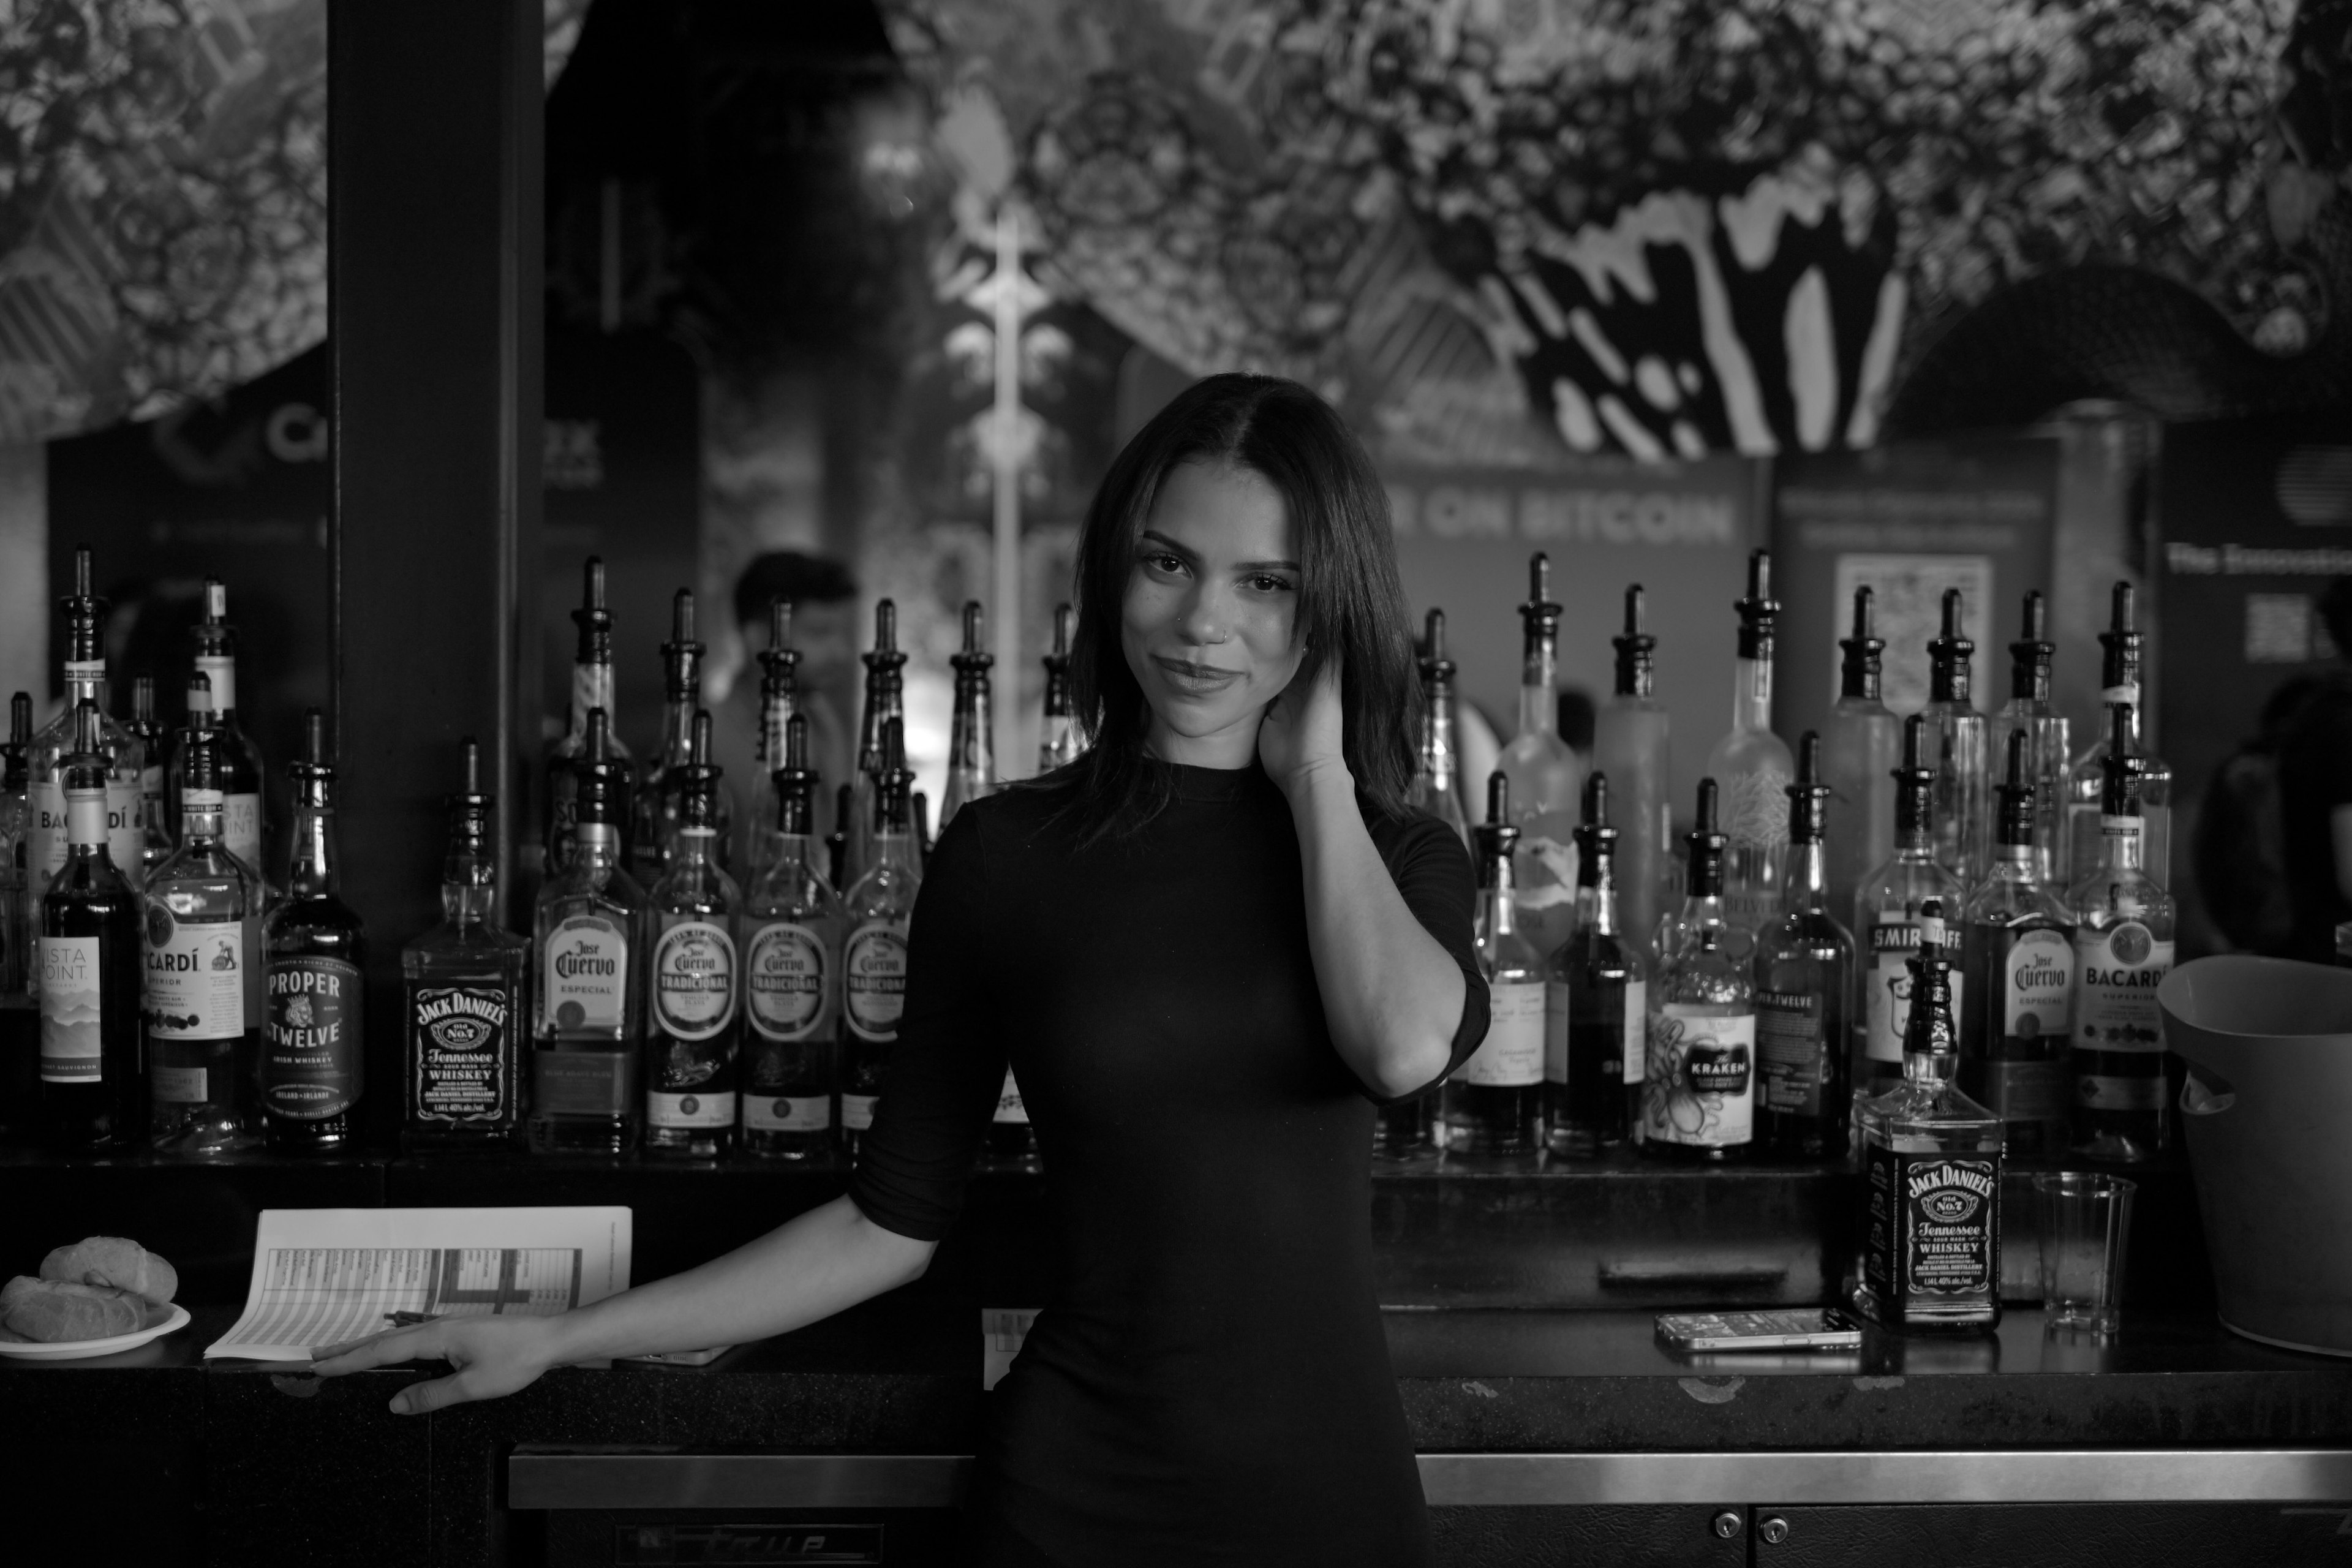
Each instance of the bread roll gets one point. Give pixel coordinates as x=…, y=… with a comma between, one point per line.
x=52, y=1311
x=113, y=1260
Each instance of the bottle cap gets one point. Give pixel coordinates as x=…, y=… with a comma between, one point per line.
x=1809, y=797
x=1949, y=656
x=2017, y=793
x=2031, y=654
x=1633, y=646
x=973, y=663
x=886, y=654
x=1541, y=615
x=1596, y=841
x=1435, y=666
x=1758, y=611
x=1706, y=847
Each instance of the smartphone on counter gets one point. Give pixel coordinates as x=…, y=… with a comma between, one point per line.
x=1792, y=1327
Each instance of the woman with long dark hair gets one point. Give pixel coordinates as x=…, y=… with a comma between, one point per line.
x=1207, y=948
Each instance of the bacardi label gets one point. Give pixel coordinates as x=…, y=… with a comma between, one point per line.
x=460, y=1052
x=2121, y=968
x=1011, y=1109
x=1790, y=1025
x=787, y=1112
x=584, y=973
x=2037, y=986
x=1700, y=1089
x=1933, y=1231
x=1886, y=1007
x=193, y=985
x=310, y=1045
x=1512, y=1054
x=72, y=1009
x=874, y=983
x=784, y=980
x=694, y=979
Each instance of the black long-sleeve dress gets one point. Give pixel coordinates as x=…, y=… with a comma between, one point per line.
x=1209, y=1382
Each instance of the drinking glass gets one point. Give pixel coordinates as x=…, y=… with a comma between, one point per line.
x=2085, y=1223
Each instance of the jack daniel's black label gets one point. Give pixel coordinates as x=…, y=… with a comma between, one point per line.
x=461, y=1054
x=1932, y=1242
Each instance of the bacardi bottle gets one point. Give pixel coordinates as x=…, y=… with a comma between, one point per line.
x=2123, y=950
x=2119, y=681
x=592, y=688
x=1804, y=987
x=313, y=1052
x=244, y=818
x=1956, y=739
x=883, y=667
x=124, y=758
x=1493, y=1104
x=93, y=1066
x=1596, y=1005
x=2017, y=976
x=972, y=748
x=693, y=1039
x=2028, y=712
x=1860, y=751
x=661, y=803
x=1886, y=917
x=1753, y=766
x=1629, y=737
x=1437, y=788
x=791, y=978
x=874, y=967
x=463, y=997
x=154, y=830
x=1546, y=778
x=778, y=701
x=590, y=944
x=1059, y=740
x=1698, y=1087
x=1931, y=1170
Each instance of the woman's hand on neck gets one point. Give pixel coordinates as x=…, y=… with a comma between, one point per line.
x=1299, y=738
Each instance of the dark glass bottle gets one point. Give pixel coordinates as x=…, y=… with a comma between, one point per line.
x=2017, y=974
x=694, y=1031
x=1804, y=984
x=592, y=688
x=154, y=829
x=1698, y=1087
x=1596, y=1005
x=792, y=977
x=1886, y=915
x=313, y=1053
x=93, y=1066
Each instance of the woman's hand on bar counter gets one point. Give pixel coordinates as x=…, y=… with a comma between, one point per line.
x=809, y=1268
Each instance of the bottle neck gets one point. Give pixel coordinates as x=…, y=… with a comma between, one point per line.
x=1859, y=677
x=2121, y=843
x=1437, y=733
x=1499, y=910
x=2129, y=707
x=1752, y=693
x=591, y=686
x=85, y=682
x=1805, y=885
x=1538, y=707
x=2029, y=680
x=1929, y=1067
x=778, y=702
x=972, y=743
x=86, y=822
x=468, y=887
x=200, y=819
x=1914, y=829
x=595, y=847
x=893, y=848
x=311, y=872
x=2014, y=863
x=1948, y=681
x=1596, y=894
x=694, y=848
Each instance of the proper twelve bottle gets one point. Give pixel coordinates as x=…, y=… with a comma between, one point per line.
x=1752, y=764
x=313, y=1049
x=1698, y=1084
x=93, y=1071
x=873, y=964
x=1629, y=744
x=1491, y=1104
x=1596, y=1005
x=2017, y=974
x=792, y=977
x=692, y=1034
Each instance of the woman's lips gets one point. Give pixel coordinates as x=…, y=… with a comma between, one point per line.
x=1200, y=679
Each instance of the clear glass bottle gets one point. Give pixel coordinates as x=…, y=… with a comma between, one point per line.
x=778, y=701
x=592, y=688
x=154, y=829
x=791, y=978
x=1596, y=1005
x=1059, y=740
x=2028, y=712
x=1630, y=736
x=2017, y=975
x=589, y=938
x=1698, y=1087
x=1931, y=1162
x=1493, y=1103
x=693, y=1032
x=2123, y=950
x=873, y=964
x=93, y=1066
x=314, y=1040
x=198, y=1000
x=1547, y=780
x=661, y=802
x=1860, y=751
x=125, y=759
x=2120, y=649
x=244, y=815
x=462, y=998
x=1436, y=786
x=884, y=666
x=1958, y=824
x=1753, y=767
x=837, y=842
x=20, y=1015
x=971, y=744
x=1886, y=917
x=1804, y=987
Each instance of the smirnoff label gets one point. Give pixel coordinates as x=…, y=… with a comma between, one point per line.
x=584, y=973
x=1700, y=1086
x=459, y=1055
x=1512, y=1054
x=1933, y=1227
x=193, y=983
x=874, y=985
x=1010, y=1107
x=784, y=980
x=1886, y=1009
x=2037, y=986
x=72, y=1008
x=694, y=979
x=310, y=1041
x=2121, y=968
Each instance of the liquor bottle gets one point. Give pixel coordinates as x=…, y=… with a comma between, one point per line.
x=1698, y=1087
x=588, y=936
x=154, y=830
x=1956, y=738
x=837, y=842
x=779, y=700
x=1492, y=1105
x=2028, y=712
x=1059, y=740
x=464, y=981
x=2119, y=671
x=1859, y=754
x=1547, y=780
x=93, y=1071
x=241, y=772
x=200, y=1001
x=592, y=687
x=1752, y=764
x=661, y=802
x=20, y=923
x=874, y=963
x=883, y=666
x=313, y=1051
x=2123, y=950
x=124, y=758
x=1596, y=1005
x=2017, y=975
x=1931, y=1170
x=1436, y=786
x=792, y=977
x=693, y=1037
x=971, y=749
x=1886, y=917
x=1630, y=744
x=1804, y=986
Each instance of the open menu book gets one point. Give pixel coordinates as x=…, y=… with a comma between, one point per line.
x=324, y=1276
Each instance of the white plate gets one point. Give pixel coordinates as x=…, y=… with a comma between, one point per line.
x=75, y=1350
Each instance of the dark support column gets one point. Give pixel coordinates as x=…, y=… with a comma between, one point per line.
x=433, y=116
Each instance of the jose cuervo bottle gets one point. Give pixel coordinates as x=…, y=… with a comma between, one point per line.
x=792, y=977
x=694, y=1030
x=874, y=965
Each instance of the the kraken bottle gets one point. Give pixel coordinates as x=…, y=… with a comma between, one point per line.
x=2028, y=712
x=1958, y=824
x=1698, y=1087
x=2119, y=673
x=125, y=759
x=874, y=963
x=313, y=1049
x=2017, y=977
x=1546, y=778
x=1493, y=1103
x=884, y=678
x=1860, y=749
x=1753, y=766
x=243, y=817
x=1630, y=744
x=692, y=1037
x=1886, y=918
x=2123, y=950
x=972, y=748
x=1596, y=1005
x=1804, y=985
x=661, y=805
x=154, y=832
x=93, y=1070
x=592, y=688
x=1436, y=782
x=779, y=700
x=791, y=978
x=1059, y=740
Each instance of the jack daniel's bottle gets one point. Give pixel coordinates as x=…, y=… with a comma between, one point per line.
x=692, y=1037
x=791, y=978
x=1930, y=1171
x=314, y=1031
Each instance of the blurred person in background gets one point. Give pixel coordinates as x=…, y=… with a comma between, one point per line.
x=824, y=597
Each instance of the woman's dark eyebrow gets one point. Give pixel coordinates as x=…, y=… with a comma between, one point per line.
x=1191, y=558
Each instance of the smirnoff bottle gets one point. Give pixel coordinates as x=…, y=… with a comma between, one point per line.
x=200, y=999
x=883, y=677
x=2123, y=950
x=463, y=997
x=971, y=750
x=1754, y=767
x=2017, y=976
x=1059, y=740
x=313, y=1053
x=1492, y=1106
x=1698, y=1087
x=2119, y=672
x=1886, y=917
x=592, y=688
x=778, y=701
x=1437, y=788
x=1804, y=986
x=874, y=967
x=1860, y=751
x=589, y=941
x=93, y=1066
x=1596, y=1005
x=660, y=808
x=1630, y=744
x=693, y=1039
x=1546, y=778
x=124, y=758
x=1931, y=1170
x=1956, y=738
x=2028, y=713
x=241, y=772
x=154, y=830
x=791, y=978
